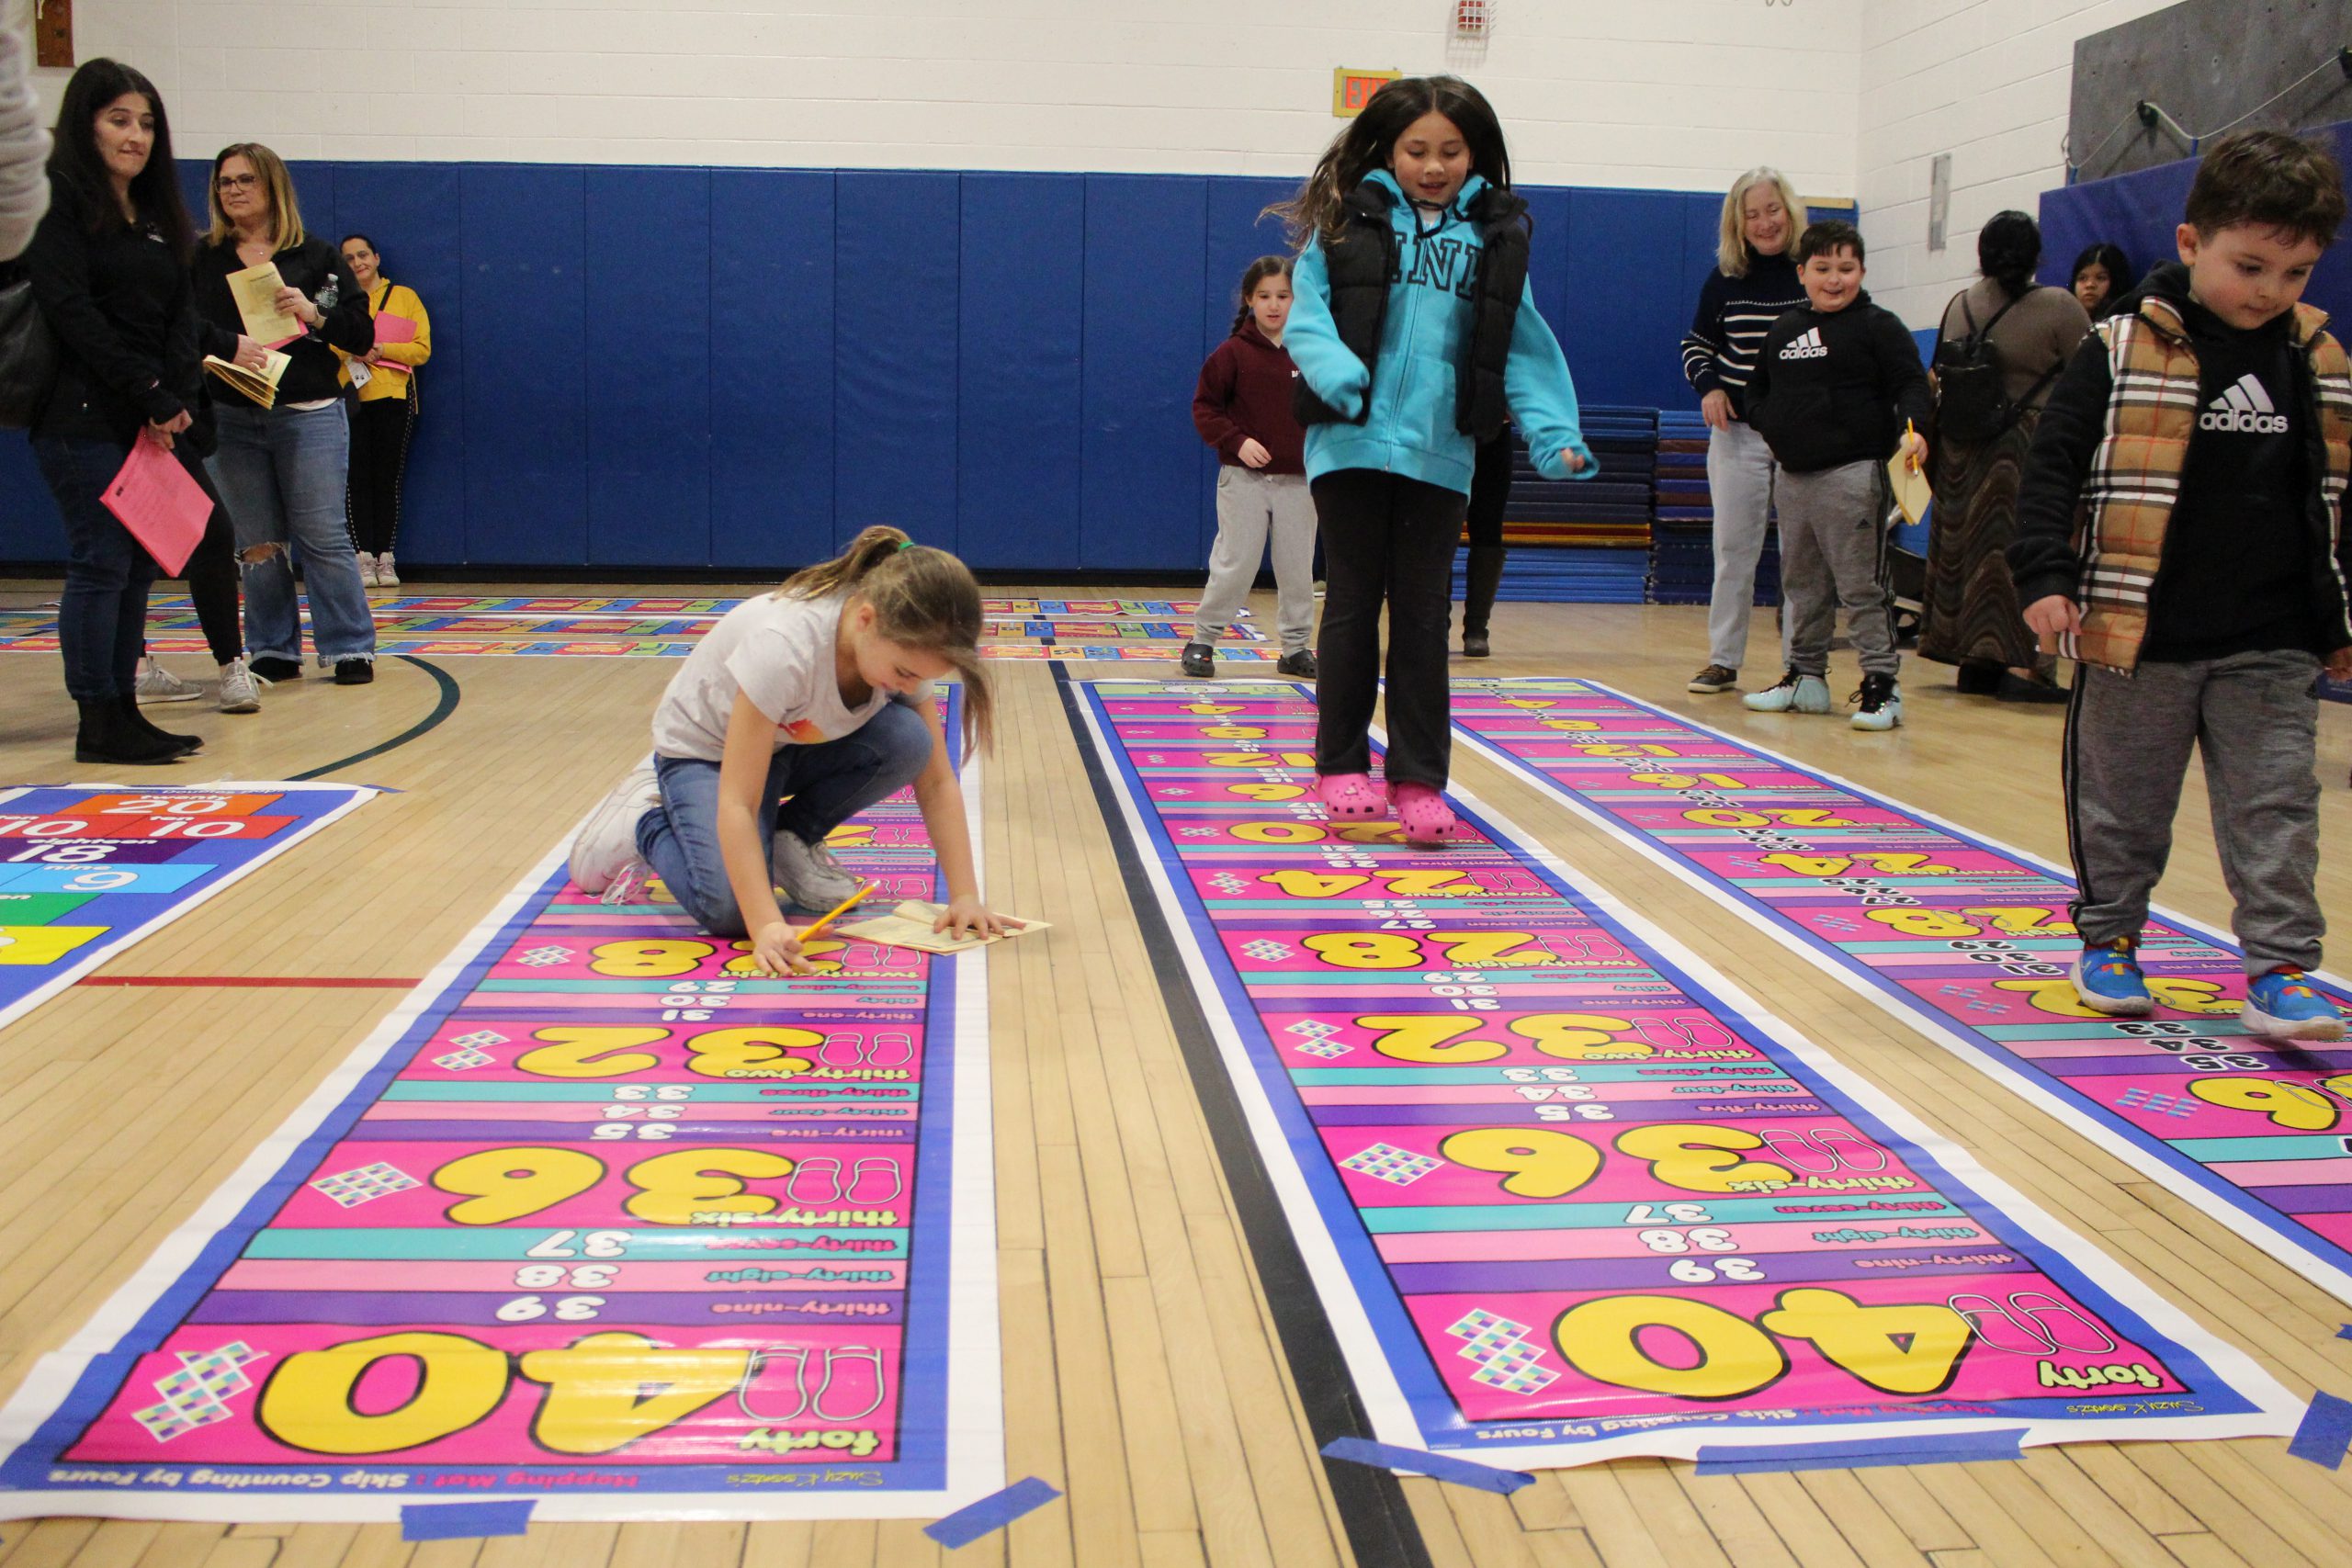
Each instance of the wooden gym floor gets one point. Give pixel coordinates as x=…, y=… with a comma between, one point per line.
x=1142, y=1372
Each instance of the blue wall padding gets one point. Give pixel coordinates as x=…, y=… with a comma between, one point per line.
x=649, y=426
x=894, y=300
x=2140, y=212
x=771, y=367
x=1143, y=462
x=1019, y=392
x=687, y=367
x=527, y=364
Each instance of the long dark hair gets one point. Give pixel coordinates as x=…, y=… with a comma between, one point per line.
x=75, y=164
x=1369, y=143
x=1259, y=270
x=2007, y=250
x=2119, y=272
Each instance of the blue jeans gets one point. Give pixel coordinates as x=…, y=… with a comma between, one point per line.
x=102, y=615
x=282, y=473
x=828, y=784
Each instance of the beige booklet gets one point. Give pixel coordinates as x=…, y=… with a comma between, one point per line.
x=256, y=291
x=1912, y=491
x=260, y=385
x=909, y=925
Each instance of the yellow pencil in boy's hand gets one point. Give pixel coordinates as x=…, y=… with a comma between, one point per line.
x=811, y=933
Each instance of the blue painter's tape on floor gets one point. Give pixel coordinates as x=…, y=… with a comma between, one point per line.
x=2325, y=1433
x=990, y=1514
x=463, y=1521
x=1960, y=1448
x=1438, y=1467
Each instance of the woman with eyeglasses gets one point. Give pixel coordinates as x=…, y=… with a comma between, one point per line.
x=281, y=468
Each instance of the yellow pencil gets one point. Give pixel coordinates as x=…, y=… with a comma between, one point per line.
x=810, y=933
x=1910, y=429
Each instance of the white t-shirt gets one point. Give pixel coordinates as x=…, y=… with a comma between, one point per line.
x=780, y=653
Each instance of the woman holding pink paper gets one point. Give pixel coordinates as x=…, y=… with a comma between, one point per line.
x=109, y=265
x=384, y=418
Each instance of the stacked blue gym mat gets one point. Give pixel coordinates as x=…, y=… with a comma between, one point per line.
x=1682, y=554
x=1583, y=541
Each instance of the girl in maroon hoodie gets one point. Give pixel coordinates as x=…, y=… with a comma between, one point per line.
x=1243, y=409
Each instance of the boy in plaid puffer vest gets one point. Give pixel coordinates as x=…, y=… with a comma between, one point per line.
x=2179, y=533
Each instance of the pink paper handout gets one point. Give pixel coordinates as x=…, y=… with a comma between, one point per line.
x=163, y=508
x=395, y=329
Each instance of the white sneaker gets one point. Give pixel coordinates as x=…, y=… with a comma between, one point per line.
x=607, y=840
x=240, y=688
x=808, y=873
x=1792, y=692
x=385, y=576
x=367, y=569
x=157, y=684
x=628, y=885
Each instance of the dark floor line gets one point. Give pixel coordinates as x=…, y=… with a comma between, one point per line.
x=442, y=709
x=1381, y=1531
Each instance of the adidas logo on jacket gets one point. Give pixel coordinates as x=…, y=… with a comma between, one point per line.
x=1807, y=346
x=2245, y=407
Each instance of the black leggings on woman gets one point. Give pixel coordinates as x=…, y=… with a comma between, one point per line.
x=380, y=429
x=213, y=581
x=1489, y=494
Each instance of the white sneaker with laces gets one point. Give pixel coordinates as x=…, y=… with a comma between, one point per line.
x=157, y=684
x=366, y=569
x=240, y=688
x=607, y=840
x=808, y=873
x=628, y=884
x=385, y=576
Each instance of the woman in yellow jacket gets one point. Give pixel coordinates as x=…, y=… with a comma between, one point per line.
x=386, y=415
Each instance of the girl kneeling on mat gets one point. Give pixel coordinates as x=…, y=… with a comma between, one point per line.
x=820, y=692
x=1415, y=335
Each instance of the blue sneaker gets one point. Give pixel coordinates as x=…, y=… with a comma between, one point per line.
x=2107, y=979
x=1792, y=692
x=2284, y=1005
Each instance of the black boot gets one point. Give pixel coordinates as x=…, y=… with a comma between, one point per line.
x=107, y=737
x=140, y=721
x=1485, y=575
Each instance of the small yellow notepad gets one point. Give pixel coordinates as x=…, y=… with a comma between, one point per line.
x=256, y=291
x=1912, y=491
x=909, y=925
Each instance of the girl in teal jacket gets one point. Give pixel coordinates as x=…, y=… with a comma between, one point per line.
x=1415, y=337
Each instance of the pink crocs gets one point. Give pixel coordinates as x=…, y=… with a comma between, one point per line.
x=1424, y=815
x=1348, y=798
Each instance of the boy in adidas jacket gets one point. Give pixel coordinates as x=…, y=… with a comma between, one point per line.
x=1839, y=388
x=2180, y=533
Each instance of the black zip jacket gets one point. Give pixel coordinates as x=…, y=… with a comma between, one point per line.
x=317, y=270
x=2245, y=566
x=117, y=301
x=1836, y=388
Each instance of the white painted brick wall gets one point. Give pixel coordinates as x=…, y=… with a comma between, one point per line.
x=1679, y=94
x=1986, y=81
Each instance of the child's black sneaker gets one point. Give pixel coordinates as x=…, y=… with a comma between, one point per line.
x=1879, y=704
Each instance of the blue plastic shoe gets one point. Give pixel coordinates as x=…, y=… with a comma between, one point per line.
x=2283, y=1005
x=1792, y=692
x=2107, y=980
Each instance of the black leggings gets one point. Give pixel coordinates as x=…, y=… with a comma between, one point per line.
x=1386, y=538
x=1490, y=492
x=212, y=574
x=371, y=499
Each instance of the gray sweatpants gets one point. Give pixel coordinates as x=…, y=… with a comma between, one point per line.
x=1739, y=487
x=1251, y=506
x=2254, y=719
x=1833, y=556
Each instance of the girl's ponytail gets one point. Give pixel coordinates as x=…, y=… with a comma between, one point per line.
x=849, y=569
x=923, y=598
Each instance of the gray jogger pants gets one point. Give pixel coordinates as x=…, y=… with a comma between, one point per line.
x=1833, y=557
x=2254, y=718
x=1249, y=507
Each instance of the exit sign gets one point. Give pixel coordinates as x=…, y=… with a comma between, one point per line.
x=1350, y=90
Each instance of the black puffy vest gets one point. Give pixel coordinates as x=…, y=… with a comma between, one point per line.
x=1365, y=263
